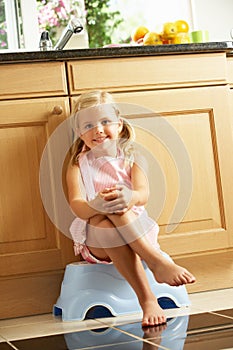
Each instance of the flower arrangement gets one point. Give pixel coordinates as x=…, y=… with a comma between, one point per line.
x=3, y=36
x=3, y=28
x=53, y=14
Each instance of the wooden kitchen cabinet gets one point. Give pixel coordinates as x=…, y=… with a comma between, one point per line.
x=143, y=73
x=181, y=108
x=33, y=253
x=201, y=122
x=30, y=80
x=195, y=125
x=230, y=82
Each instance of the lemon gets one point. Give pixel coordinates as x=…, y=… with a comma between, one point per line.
x=152, y=38
x=182, y=26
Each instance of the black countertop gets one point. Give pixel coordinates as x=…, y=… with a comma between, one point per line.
x=111, y=52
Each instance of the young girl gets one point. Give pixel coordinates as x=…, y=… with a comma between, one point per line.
x=112, y=225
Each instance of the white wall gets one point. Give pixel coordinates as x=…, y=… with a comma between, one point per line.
x=30, y=24
x=216, y=16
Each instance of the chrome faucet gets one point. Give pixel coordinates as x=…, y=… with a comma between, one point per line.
x=74, y=26
x=45, y=42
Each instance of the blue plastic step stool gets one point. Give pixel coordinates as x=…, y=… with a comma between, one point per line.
x=99, y=290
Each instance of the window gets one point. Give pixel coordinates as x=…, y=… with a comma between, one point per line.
x=9, y=29
x=151, y=14
x=18, y=25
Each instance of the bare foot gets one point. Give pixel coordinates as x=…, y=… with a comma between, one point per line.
x=153, y=314
x=166, y=271
x=154, y=332
x=154, y=335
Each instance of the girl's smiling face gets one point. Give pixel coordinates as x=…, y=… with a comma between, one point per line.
x=99, y=124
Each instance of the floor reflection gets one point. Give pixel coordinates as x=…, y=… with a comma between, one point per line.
x=172, y=335
x=204, y=331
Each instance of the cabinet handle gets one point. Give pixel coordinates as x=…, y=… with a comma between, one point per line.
x=57, y=110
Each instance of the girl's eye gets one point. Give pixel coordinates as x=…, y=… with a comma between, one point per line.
x=105, y=122
x=88, y=126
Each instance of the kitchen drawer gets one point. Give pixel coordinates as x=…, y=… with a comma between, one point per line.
x=230, y=70
x=32, y=79
x=126, y=74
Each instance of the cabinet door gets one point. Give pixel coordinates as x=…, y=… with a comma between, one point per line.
x=33, y=252
x=201, y=122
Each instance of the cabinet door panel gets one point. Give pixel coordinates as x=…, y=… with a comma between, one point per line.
x=21, y=149
x=29, y=242
x=202, y=126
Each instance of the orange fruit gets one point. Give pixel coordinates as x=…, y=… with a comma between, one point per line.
x=152, y=38
x=139, y=33
x=182, y=26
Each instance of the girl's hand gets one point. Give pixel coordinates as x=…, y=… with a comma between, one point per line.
x=99, y=202
x=118, y=199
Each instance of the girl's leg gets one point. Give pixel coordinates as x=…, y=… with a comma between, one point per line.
x=164, y=270
x=130, y=267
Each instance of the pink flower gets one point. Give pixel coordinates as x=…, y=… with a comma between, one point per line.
x=63, y=14
x=61, y=3
x=56, y=13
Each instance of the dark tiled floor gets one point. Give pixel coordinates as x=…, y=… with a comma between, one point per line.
x=5, y=346
x=227, y=313
x=205, y=331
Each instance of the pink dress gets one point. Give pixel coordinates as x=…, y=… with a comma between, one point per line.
x=98, y=174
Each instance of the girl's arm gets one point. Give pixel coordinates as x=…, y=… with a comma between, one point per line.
x=140, y=186
x=79, y=206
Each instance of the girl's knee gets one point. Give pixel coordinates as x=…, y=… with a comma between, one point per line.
x=101, y=221
x=105, y=223
x=103, y=235
x=95, y=220
x=124, y=218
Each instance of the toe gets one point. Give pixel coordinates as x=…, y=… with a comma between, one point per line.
x=145, y=322
x=189, y=277
x=153, y=321
x=162, y=320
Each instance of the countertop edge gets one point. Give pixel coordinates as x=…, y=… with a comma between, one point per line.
x=116, y=52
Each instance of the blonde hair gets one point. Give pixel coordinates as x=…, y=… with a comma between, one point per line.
x=93, y=99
